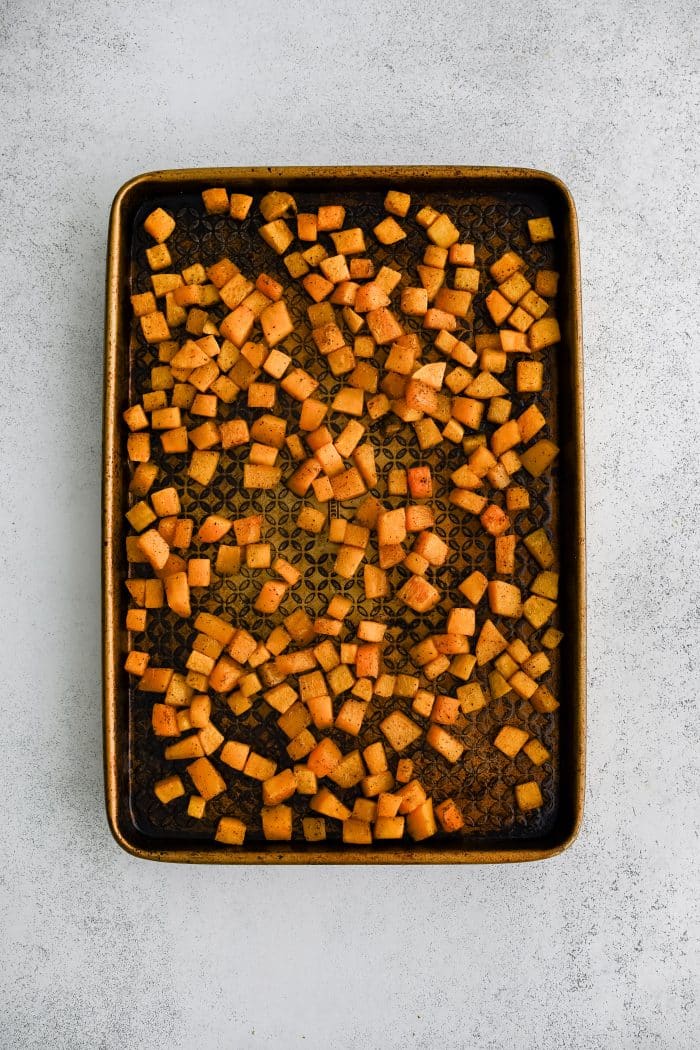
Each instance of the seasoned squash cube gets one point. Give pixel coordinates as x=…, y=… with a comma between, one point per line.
x=276, y=323
x=314, y=829
x=551, y=638
x=159, y=225
x=443, y=232
x=537, y=610
x=542, y=333
x=471, y=697
x=397, y=203
x=329, y=805
x=349, y=242
x=528, y=796
x=546, y=283
x=420, y=823
x=418, y=594
x=505, y=599
x=540, y=548
x=536, y=752
x=230, y=831
x=540, y=229
x=215, y=201
x=388, y=231
x=538, y=457
x=277, y=822
x=206, y=778
x=449, y=815
x=400, y=730
x=168, y=789
x=510, y=739
x=277, y=234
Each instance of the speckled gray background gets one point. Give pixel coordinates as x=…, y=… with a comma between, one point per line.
x=595, y=949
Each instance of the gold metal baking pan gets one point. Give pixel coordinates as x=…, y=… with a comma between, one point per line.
x=490, y=206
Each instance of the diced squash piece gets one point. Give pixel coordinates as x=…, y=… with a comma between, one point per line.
x=277, y=234
x=206, y=778
x=474, y=586
x=542, y=333
x=471, y=697
x=418, y=594
x=443, y=232
x=168, y=789
x=276, y=323
x=528, y=796
x=536, y=752
x=505, y=599
x=538, y=457
x=215, y=201
x=546, y=283
x=537, y=610
x=277, y=822
x=540, y=229
x=490, y=643
x=400, y=730
x=449, y=815
x=314, y=829
x=329, y=805
x=510, y=740
x=159, y=225
x=230, y=831
x=420, y=823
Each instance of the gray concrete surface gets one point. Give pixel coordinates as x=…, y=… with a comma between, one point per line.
x=596, y=949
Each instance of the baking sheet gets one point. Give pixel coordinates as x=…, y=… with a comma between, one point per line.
x=492, y=214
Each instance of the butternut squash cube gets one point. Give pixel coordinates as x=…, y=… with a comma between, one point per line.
x=329, y=805
x=279, y=788
x=158, y=257
x=418, y=594
x=490, y=643
x=314, y=829
x=505, y=599
x=159, y=225
x=203, y=466
x=277, y=823
x=276, y=323
x=494, y=520
x=528, y=796
x=471, y=697
x=537, y=610
x=206, y=778
x=536, y=752
x=277, y=234
x=230, y=831
x=397, y=203
x=540, y=548
x=443, y=232
x=540, y=229
x=349, y=242
x=400, y=730
x=546, y=283
x=551, y=638
x=449, y=815
x=420, y=823
x=168, y=789
x=510, y=740
x=542, y=333
x=388, y=231
x=383, y=326
x=215, y=201
x=538, y=457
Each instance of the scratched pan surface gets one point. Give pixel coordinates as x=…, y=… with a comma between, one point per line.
x=491, y=209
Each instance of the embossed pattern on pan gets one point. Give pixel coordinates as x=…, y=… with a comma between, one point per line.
x=483, y=781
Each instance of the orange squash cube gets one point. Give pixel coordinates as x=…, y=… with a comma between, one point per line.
x=230, y=831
